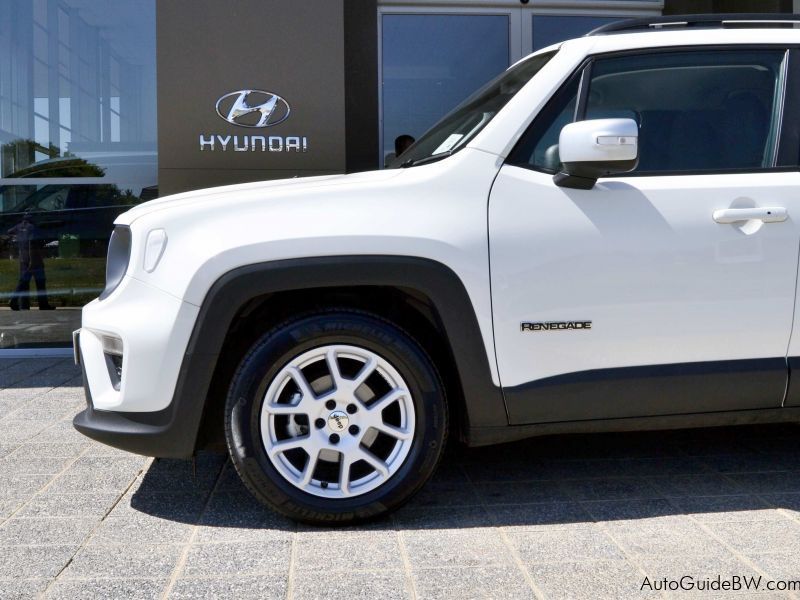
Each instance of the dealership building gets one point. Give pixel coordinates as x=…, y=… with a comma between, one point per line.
x=108, y=103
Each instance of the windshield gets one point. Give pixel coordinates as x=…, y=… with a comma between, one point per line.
x=455, y=130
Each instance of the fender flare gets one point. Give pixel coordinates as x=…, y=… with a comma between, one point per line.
x=483, y=400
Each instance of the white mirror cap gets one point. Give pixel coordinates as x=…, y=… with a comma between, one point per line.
x=599, y=140
x=154, y=249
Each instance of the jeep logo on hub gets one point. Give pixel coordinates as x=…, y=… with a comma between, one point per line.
x=255, y=109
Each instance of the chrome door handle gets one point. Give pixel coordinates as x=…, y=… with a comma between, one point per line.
x=773, y=214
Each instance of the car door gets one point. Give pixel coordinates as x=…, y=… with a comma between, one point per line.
x=651, y=294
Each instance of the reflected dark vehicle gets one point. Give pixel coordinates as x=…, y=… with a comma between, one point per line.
x=78, y=218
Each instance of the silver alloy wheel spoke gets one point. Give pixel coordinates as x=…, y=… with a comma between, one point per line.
x=367, y=370
x=388, y=399
x=395, y=432
x=335, y=429
x=285, y=446
x=313, y=457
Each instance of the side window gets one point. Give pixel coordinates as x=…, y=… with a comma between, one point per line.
x=697, y=111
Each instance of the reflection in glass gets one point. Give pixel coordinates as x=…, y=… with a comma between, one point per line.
x=551, y=29
x=77, y=148
x=431, y=63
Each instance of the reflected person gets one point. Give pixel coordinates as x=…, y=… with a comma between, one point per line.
x=31, y=265
x=401, y=144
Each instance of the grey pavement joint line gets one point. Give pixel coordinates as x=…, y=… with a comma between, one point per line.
x=16, y=382
x=538, y=593
x=409, y=576
x=743, y=558
x=738, y=555
x=628, y=557
x=88, y=536
x=184, y=557
x=38, y=433
x=47, y=485
x=292, y=559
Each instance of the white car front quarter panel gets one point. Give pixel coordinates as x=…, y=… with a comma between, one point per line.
x=154, y=327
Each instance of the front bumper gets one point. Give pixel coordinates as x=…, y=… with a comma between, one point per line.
x=170, y=433
x=144, y=407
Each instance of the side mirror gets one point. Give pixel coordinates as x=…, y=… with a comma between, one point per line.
x=596, y=148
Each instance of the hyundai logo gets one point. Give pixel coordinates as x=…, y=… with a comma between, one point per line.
x=253, y=108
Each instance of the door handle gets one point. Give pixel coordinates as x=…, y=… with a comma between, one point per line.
x=773, y=214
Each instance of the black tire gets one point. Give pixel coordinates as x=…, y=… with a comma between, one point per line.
x=290, y=339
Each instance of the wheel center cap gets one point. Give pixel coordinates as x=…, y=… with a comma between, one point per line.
x=338, y=421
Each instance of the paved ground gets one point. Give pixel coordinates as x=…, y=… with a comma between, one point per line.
x=566, y=517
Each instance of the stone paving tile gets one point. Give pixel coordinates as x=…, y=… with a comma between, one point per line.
x=642, y=511
x=698, y=569
x=22, y=370
x=369, y=550
x=261, y=587
x=237, y=558
x=610, y=489
x=707, y=484
x=49, y=504
x=780, y=566
x=358, y=585
x=144, y=530
x=55, y=450
x=185, y=507
x=21, y=484
x=432, y=549
x=29, y=562
x=565, y=516
x=36, y=465
x=666, y=539
x=9, y=506
x=728, y=509
x=545, y=515
x=459, y=517
x=612, y=579
x=130, y=562
x=556, y=545
x=102, y=589
x=521, y=492
x=760, y=537
x=45, y=531
x=22, y=589
x=17, y=431
x=445, y=494
x=495, y=583
x=769, y=483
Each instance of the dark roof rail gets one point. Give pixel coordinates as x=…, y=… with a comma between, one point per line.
x=718, y=21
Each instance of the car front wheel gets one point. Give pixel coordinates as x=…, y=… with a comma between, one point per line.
x=335, y=417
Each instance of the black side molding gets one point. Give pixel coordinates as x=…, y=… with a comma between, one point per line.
x=652, y=390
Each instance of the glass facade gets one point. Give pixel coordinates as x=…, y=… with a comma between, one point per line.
x=432, y=62
x=551, y=29
x=77, y=147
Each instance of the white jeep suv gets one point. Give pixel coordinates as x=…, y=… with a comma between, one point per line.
x=601, y=239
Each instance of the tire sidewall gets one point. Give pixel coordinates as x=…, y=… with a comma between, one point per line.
x=270, y=354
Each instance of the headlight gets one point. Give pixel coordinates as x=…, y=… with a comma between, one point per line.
x=154, y=249
x=119, y=254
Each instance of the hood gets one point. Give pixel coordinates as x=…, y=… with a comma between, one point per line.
x=227, y=194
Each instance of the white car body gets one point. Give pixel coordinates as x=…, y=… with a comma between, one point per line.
x=639, y=257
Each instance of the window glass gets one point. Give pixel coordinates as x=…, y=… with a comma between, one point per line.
x=430, y=63
x=454, y=131
x=77, y=148
x=697, y=111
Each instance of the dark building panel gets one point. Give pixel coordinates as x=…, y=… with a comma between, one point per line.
x=361, y=84
x=211, y=53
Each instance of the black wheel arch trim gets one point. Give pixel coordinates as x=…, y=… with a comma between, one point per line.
x=173, y=431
